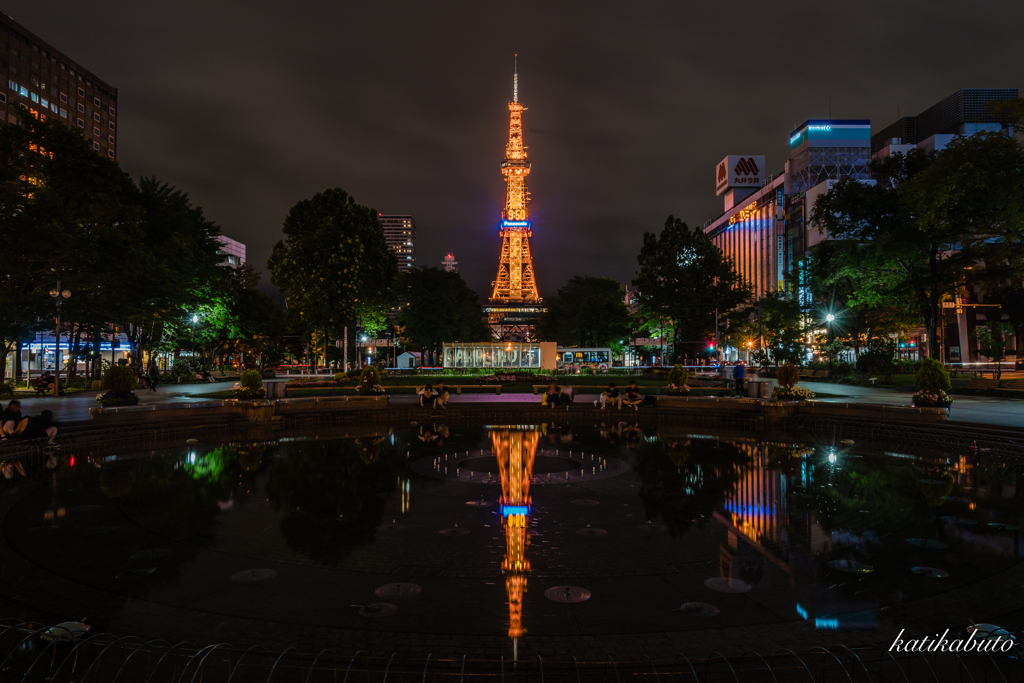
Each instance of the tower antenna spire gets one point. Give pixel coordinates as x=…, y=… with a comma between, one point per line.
x=515, y=78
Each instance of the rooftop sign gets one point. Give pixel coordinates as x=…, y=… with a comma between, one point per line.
x=738, y=170
x=828, y=131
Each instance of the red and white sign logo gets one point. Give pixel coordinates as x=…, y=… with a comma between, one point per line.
x=746, y=166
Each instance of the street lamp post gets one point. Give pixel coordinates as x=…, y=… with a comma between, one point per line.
x=829, y=319
x=59, y=297
x=195, y=319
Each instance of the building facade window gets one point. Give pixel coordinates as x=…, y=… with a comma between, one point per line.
x=81, y=123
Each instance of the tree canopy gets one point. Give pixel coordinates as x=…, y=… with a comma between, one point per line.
x=931, y=224
x=334, y=265
x=439, y=307
x=683, y=277
x=587, y=311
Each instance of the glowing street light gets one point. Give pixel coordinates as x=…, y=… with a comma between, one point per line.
x=829, y=318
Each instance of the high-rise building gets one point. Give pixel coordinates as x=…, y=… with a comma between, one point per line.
x=449, y=264
x=232, y=251
x=400, y=234
x=43, y=81
x=514, y=305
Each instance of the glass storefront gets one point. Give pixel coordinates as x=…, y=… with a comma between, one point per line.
x=492, y=355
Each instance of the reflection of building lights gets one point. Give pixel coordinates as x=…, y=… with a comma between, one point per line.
x=801, y=611
x=518, y=510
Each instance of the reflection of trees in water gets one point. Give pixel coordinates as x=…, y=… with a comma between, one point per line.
x=330, y=492
x=683, y=478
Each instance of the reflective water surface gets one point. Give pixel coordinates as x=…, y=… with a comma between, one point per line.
x=510, y=531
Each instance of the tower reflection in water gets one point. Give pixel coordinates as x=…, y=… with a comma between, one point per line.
x=515, y=449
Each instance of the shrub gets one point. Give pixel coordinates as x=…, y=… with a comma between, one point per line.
x=678, y=375
x=119, y=379
x=932, y=377
x=250, y=385
x=341, y=378
x=788, y=375
x=791, y=393
x=369, y=381
x=251, y=379
x=586, y=370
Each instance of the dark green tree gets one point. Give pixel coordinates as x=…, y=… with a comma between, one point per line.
x=933, y=223
x=587, y=311
x=684, y=278
x=333, y=265
x=439, y=307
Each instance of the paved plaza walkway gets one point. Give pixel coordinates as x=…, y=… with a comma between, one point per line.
x=977, y=409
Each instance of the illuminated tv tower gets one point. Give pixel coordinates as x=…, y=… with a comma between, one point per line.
x=515, y=282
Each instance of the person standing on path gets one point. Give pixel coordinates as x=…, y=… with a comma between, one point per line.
x=737, y=375
x=154, y=376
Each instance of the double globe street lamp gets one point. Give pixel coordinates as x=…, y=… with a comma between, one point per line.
x=59, y=296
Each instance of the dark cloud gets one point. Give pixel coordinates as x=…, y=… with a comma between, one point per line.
x=251, y=106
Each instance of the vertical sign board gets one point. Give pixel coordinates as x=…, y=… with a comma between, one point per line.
x=739, y=170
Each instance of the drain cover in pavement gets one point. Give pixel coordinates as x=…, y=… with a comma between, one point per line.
x=851, y=567
x=586, y=502
x=724, y=585
x=930, y=572
x=699, y=609
x=376, y=610
x=453, y=532
x=1003, y=527
x=927, y=543
x=253, y=575
x=591, y=532
x=964, y=521
x=390, y=591
x=567, y=594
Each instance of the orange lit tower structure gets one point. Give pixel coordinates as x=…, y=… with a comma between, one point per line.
x=515, y=450
x=514, y=302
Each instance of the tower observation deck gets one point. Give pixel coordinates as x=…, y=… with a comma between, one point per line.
x=515, y=304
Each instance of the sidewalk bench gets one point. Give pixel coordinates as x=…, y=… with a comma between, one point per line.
x=1014, y=385
x=983, y=384
x=821, y=374
x=808, y=373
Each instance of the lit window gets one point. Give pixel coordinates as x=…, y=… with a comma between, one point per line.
x=23, y=91
x=34, y=97
x=64, y=113
x=46, y=105
x=14, y=86
x=53, y=107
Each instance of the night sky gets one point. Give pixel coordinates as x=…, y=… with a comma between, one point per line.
x=251, y=106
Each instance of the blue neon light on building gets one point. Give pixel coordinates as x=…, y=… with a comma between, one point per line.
x=515, y=224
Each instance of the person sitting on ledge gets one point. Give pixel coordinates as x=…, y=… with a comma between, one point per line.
x=565, y=396
x=634, y=399
x=441, y=396
x=10, y=418
x=610, y=395
x=41, y=426
x=426, y=395
x=551, y=396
